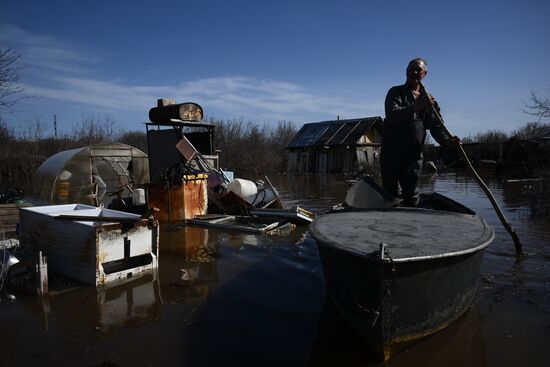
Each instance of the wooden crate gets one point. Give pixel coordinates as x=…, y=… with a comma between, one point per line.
x=9, y=217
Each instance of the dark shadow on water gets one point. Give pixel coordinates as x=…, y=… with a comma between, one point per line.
x=338, y=344
x=263, y=315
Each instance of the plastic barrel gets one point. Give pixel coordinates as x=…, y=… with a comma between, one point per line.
x=242, y=188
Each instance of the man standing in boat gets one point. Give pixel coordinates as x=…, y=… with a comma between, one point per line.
x=409, y=113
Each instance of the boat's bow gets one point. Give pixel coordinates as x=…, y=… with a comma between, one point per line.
x=399, y=274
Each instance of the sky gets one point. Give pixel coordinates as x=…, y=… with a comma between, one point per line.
x=271, y=61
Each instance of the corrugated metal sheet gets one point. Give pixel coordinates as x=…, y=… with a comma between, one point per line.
x=332, y=133
x=341, y=136
x=360, y=130
x=331, y=130
x=311, y=133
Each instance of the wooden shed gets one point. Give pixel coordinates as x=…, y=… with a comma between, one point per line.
x=335, y=146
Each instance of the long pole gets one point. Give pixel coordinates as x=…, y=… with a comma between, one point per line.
x=500, y=215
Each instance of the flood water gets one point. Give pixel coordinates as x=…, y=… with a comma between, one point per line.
x=231, y=299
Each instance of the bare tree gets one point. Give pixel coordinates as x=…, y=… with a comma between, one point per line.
x=34, y=130
x=532, y=130
x=538, y=106
x=136, y=139
x=253, y=149
x=9, y=79
x=93, y=130
x=491, y=136
x=5, y=133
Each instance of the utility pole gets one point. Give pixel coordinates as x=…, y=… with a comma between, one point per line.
x=55, y=126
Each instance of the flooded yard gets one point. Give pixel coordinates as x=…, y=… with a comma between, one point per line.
x=228, y=298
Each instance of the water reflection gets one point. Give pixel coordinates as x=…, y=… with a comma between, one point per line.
x=188, y=264
x=186, y=274
x=460, y=344
x=223, y=297
x=105, y=310
x=314, y=192
x=132, y=303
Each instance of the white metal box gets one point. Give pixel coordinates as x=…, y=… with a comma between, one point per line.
x=103, y=246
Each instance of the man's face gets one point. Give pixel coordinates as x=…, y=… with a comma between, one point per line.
x=416, y=72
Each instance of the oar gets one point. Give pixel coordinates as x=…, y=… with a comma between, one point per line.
x=500, y=215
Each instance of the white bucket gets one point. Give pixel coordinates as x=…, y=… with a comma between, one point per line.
x=242, y=188
x=138, y=197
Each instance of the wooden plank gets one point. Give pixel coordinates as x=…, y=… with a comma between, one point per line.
x=288, y=226
x=224, y=219
x=13, y=205
x=210, y=216
x=7, y=229
x=9, y=211
x=296, y=213
x=9, y=217
x=232, y=227
x=208, y=224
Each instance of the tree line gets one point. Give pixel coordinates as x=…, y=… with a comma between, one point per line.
x=523, y=153
x=250, y=149
x=529, y=131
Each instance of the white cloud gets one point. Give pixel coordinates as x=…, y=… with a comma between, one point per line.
x=229, y=97
x=63, y=73
x=45, y=52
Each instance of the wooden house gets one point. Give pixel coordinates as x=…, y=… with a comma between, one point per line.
x=335, y=146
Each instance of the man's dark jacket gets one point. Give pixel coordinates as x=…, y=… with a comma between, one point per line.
x=404, y=134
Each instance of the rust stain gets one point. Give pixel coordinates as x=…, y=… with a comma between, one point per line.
x=181, y=201
x=195, y=198
x=100, y=257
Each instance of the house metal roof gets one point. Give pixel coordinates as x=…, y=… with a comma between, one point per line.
x=332, y=133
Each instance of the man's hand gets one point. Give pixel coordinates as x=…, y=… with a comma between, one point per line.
x=424, y=101
x=453, y=141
